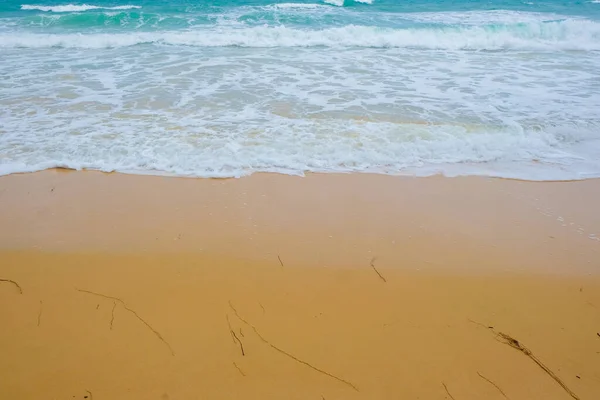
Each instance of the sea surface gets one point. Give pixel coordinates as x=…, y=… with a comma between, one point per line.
x=507, y=88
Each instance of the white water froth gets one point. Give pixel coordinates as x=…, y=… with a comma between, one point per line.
x=294, y=6
x=338, y=3
x=74, y=7
x=296, y=147
x=221, y=113
x=559, y=35
x=488, y=17
x=228, y=158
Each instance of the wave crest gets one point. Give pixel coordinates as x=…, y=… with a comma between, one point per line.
x=556, y=35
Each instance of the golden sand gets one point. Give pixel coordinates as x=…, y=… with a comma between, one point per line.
x=276, y=287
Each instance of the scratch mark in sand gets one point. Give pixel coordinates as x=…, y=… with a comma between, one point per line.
x=447, y=391
x=40, y=314
x=236, y=340
x=239, y=369
x=156, y=333
x=261, y=337
x=112, y=315
x=375, y=269
x=239, y=341
x=515, y=344
x=14, y=283
x=492, y=383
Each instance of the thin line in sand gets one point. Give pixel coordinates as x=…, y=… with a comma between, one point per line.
x=239, y=369
x=515, y=344
x=492, y=383
x=14, y=283
x=447, y=391
x=156, y=333
x=261, y=337
x=112, y=315
x=39, y=320
x=375, y=269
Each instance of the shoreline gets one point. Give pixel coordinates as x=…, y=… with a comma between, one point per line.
x=329, y=286
x=342, y=220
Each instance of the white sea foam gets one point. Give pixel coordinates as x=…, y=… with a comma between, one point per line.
x=489, y=17
x=74, y=7
x=295, y=6
x=302, y=146
x=341, y=3
x=560, y=35
x=218, y=113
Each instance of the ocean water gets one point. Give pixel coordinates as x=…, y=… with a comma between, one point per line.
x=507, y=88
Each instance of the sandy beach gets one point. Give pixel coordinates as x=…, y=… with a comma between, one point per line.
x=355, y=286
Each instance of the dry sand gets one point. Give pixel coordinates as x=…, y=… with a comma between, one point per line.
x=276, y=287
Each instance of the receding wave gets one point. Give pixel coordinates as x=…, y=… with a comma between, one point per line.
x=556, y=35
x=74, y=7
x=380, y=148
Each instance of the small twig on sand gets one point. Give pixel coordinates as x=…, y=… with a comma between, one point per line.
x=261, y=306
x=230, y=328
x=447, y=391
x=90, y=394
x=480, y=324
x=239, y=341
x=14, y=283
x=239, y=369
x=156, y=333
x=375, y=269
x=40, y=314
x=112, y=315
x=280, y=262
x=241, y=333
x=262, y=338
x=234, y=337
x=515, y=344
x=492, y=383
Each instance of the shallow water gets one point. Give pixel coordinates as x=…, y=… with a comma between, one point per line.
x=221, y=89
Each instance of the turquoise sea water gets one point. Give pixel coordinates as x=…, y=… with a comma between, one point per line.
x=226, y=88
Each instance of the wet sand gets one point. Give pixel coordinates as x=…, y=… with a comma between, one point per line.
x=329, y=286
